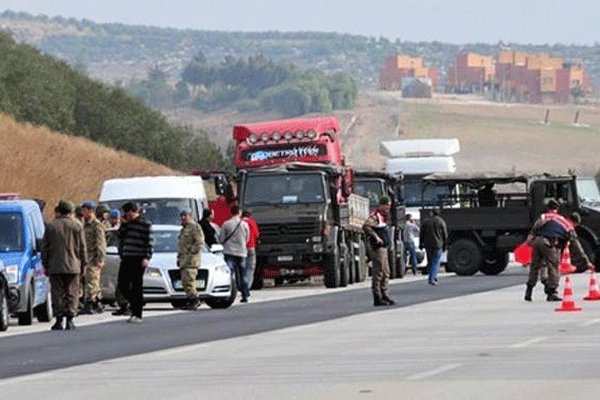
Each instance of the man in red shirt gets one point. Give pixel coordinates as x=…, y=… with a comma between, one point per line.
x=251, y=246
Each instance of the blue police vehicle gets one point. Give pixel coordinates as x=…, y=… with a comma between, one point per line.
x=27, y=287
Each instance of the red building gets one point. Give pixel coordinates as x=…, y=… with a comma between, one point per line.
x=396, y=68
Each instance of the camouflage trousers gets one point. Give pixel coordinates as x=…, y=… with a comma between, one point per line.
x=92, y=282
x=381, y=272
x=544, y=264
x=188, y=281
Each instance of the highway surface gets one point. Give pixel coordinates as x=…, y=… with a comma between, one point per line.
x=466, y=338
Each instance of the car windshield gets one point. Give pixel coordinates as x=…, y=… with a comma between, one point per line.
x=587, y=189
x=371, y=189
x=11, y=233
x=284, y=189
x=415, y=196
x=157, y=211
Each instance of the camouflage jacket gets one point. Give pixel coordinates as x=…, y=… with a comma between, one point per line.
x=106, y=224
x=95, y=240
x=191, y=240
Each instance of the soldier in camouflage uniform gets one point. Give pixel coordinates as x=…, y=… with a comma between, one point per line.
x=102, y=213
x=95, y=238
x=191, y=240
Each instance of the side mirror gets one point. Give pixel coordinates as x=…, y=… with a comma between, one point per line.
x=216, y=248
x=38, y=244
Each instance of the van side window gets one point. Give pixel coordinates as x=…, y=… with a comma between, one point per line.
x=31, y=230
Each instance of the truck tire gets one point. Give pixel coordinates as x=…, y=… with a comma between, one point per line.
x=345, y=265
x=465, y=257
x=43, y=312
x=361, y=267
x=259, y=280
x=400, y=261
x=589, y=251
x=494, y=263
x=331, y=268
x=392, y=262
x=4, y=314
x=26, y=317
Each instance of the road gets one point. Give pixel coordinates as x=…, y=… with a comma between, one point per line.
x=466, y=338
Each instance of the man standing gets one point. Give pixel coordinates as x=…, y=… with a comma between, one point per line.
x=64, y=260
x=191, y=240
x=95, y=241
x=102, y=213
x=251, y=246
x=233, y=237
x=409, y=233
x=376, y=229
x=434, y=238
x=114, y=219
x=549, y=236
x=135, y=249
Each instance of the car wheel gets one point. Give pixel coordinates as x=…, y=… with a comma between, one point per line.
x=219, y=303
x=4, y=314
x=465, y=257
x=26, y=317
x=43, y=312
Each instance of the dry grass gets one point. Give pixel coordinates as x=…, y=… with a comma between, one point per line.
x=42, y=164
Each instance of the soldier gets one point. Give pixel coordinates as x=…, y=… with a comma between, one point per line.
x=79, y=213
x=64, y=260
x=549, y=236
x=95, y=239
x=114, y=219
x=376, y=230
x=191, y=240
x=102, y=213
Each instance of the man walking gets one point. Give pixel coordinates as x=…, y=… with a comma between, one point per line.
x=251, y=246
x=549, y=236
x=95, y=240
x=135, y=249
x=64, y=260
x=191, y=240
x=409, y=233
x=376, y=229
x=434, y=238
x=233, y=237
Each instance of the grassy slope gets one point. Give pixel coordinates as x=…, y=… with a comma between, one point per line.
x=42, y=164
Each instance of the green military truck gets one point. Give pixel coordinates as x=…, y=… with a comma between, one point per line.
x=373, y=185
x=484, y=227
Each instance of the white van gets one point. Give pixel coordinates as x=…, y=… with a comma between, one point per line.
x=160, y=198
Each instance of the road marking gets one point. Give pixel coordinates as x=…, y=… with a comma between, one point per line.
x=589, y=323
x=436, y=371
x=528, y=342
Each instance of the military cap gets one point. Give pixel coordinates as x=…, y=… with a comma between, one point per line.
x=553, y=204
x=384, y=200
x=185, y=211
x=103, y=208
x=89, y=205
x=575, y=217
x=65, y=207
x=115, y=213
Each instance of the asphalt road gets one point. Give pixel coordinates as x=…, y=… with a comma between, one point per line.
x=45, y=351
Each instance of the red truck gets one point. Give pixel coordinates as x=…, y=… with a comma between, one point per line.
x=219, y=186
x=293, y=177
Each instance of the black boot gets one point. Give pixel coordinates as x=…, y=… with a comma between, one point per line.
x=377, y=301
x=551, y=294
x=98, y=307
x=88, y=308
x=123, y=310
x=58, y=324
x=387, y=300
x=70, y=325
x=528, y=292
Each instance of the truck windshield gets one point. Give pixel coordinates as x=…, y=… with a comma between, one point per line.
x=158, y=211
x=587, y=189
x=371, y=189
x=284, y=189
x=415, y=196
x=11, y=233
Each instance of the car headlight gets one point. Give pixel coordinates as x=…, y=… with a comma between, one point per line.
x=153, y=272
x=318, y=248
x=222, y=269
x=12, y=273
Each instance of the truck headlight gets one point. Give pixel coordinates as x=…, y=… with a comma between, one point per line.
x=318, y=248
x=12, y=273
x=317, y=238
x=153, y=272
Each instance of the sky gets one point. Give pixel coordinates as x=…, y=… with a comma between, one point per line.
x=450, y=21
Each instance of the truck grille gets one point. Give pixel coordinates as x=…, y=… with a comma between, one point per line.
x=291, y=231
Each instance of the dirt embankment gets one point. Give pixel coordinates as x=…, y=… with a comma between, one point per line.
x=42, y=164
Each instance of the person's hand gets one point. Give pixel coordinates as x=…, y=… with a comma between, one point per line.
x=100, y=265
x=145, y=263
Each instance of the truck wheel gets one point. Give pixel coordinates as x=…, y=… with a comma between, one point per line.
x=344, y=265
x=331, y=266
x=400, y=261
x=26, y=317
x=4, y=314
x=43, y=312
x=392, y=262
x=464, y=257
x=494, y=263
x=361, y=265
x=589, y=251
x=259, y=280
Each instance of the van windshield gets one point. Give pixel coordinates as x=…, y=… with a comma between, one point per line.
x=158, y=211
x=284, y=189
x=11, y=233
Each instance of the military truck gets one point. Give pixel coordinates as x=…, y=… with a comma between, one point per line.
x=484, y=230
x=292, y=177
x=373, y=185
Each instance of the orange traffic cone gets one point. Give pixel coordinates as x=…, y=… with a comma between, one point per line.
x=565, y=263
x=593, y=293
x=568, y=302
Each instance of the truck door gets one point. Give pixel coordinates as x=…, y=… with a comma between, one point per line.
x=563, y=191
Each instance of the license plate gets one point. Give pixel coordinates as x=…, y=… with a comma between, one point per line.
x=285, y=258
x=200, y=284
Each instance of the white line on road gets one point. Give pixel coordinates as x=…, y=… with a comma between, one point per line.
x=589, y=323
x=436, y=371
x=528, y=342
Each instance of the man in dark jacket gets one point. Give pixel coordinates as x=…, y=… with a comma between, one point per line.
x=434, y=238
x=135, y=249
x=64, y=260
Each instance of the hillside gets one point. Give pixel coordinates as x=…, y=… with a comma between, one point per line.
x=39, y=163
